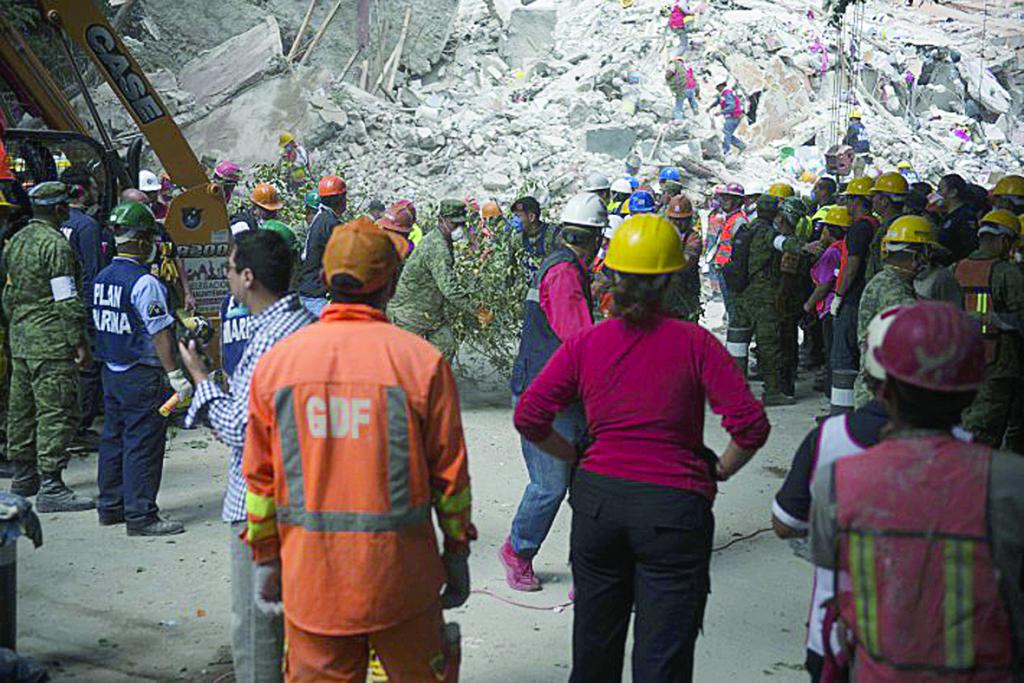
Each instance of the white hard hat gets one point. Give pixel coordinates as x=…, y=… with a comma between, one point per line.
x=585, y=210
x=148, y=182
x=877, y=328
x=613, y=224
x=622, y=186
x=597, y=182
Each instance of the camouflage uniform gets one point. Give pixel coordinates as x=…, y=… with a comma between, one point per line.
x=427, y=289
x=885, y=289
x=682, y=300
x=873, y=266
x=43, y=404
x=989, y=415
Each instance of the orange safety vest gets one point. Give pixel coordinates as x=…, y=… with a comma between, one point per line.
x=975, y=280
x=344, y=461
x=724, y=253
x=5, y=168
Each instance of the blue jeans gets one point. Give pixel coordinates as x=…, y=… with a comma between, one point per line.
x=549, y=482
x=681, y=98
x=313, y=304
x=131, y=459
x=845, y=354
x=728, y=296
x=729, y=139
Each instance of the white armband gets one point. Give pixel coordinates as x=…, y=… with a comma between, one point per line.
x=63, y=288
x=779, y=242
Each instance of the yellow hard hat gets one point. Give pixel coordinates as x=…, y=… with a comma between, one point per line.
x=891, y=183
x=838, y=216
x=855, y=114
x=1000, y=218
x=860, y=187
x=910, y=230
x=645, y=244
x=904, y=165
x=1009, y=185
x=780, y=190
x=284, y=139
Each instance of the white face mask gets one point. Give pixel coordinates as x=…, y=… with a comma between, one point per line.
x=458, y=234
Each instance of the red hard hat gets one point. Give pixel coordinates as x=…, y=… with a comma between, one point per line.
x=935, y=346
x=331, y=186
x=406, y=204
x=398, y=218
x=734, y=189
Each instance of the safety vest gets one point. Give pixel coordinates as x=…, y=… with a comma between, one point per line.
x=916, y=584
x=121, y=336
x=235, y=330
x=538, y=342
x=736, y=110
x=975, y=280
x=724, y=253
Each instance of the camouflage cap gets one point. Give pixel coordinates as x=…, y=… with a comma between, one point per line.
x=793, y=208
x=453, y=209
x=49, y=193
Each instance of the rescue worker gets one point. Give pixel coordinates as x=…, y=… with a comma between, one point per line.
x=824, y=193
x=620, y=192
x=1008, y=193
x=788, y=298
x=382, y=444
x=958, y=231
x=642, y=201
x=642, y=493
x=399, y=220
x=923, y=528
x=311, y=204
x=993, y=291
x=839, y=436
x=168, y=267
x=428, y=296
x=540, y=239
x=258, y=272
x=856, y=135
x=46, y=327
x=824, y=274
x=264, y=203
x=333, y=194
x=149, y=183
x=228, y=174
x=682, y=298
x=683, y=86
x=731, y=107
x=599, y=184
x=7, y=211
x=416, y=233
x=850, y=281
x=888, y=196
x=135, y=341
x=293, y=161
x=558, y=306
x=906, y=246
x=731, y=201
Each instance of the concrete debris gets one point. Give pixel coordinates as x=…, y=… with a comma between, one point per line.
x=530, y=35
x=613, y=141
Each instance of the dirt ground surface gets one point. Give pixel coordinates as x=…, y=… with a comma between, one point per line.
x=95, y=605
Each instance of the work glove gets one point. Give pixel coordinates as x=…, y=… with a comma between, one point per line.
x=456, y=590
x=837, y=301
x=266, y=583
x=180, y=384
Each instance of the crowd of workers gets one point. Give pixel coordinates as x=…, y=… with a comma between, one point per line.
x=908, y=299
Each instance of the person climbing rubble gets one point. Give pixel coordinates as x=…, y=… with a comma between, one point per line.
x=293, y=161
x=730, y=106
x=683, y=85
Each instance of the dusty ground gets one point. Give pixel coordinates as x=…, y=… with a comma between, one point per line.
x=95, y=605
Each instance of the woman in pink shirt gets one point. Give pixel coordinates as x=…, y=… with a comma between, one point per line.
x=642, y=524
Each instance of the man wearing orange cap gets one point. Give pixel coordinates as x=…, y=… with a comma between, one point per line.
x=344, y=462
x=333, y=201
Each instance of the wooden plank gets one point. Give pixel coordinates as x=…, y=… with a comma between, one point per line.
x=302, y=30
x=398, y=51
x=323, y=29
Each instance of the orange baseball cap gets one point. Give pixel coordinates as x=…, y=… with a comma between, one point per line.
x=364, y=251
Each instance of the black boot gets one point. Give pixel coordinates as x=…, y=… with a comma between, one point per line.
x=55, y=496
x=158, y=527
x=6, y=468
x=26, y=479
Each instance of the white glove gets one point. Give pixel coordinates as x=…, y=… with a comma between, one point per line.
x=266, y=584
x=180, y=384
x=837, y=301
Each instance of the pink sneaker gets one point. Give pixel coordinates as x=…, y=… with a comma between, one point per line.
x=518, y=572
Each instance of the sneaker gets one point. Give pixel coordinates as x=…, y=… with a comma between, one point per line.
x=158, y=527
x=518, y=572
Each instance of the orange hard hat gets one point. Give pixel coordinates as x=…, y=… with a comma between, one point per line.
x=331, y=186
x=407, y=205
x=679, y=207
x=490, y=209
x=266, y=196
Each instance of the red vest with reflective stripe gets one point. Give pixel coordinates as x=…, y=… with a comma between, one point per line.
x=916, y=582
x=975, y=280
x=724, y=253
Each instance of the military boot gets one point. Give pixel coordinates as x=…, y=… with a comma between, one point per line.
x=55, y=496
x=26, y=479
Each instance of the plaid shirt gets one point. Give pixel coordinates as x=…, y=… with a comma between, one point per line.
x=228, y=413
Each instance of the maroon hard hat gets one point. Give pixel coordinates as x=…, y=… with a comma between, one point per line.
x=934, y=345
x=734, y=189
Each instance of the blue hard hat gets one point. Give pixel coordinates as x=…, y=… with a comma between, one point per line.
x=641, y=202
x=669, y=173
x=634, y=182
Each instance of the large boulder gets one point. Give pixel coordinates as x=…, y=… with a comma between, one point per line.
x=613, y=141
x=234, y=65
x=983, y=87
x=530, y=35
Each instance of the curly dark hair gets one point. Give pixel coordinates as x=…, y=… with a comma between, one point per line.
x=637, y=298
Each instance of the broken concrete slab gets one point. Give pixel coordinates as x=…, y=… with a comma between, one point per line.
x=613, y=141
x=746, y=72
x=503, y=8
x=530, y=35
x=234, y=65
x=983, y=87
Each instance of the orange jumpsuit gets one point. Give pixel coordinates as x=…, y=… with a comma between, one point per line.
x=354, y=436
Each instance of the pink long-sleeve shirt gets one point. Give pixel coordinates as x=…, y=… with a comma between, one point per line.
x=563, y=300
x=644, y=393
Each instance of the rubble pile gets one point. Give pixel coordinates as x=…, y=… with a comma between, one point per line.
x=513, y=96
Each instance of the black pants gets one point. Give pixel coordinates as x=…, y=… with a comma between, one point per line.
x=643, y=546
x=90, y=394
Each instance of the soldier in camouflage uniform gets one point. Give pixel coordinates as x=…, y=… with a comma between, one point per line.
x=757, y=305
x=682, y=299
x=427, y=291
x=888, y=199
x=993, y=289
x=906, y=245
x=789, y=295
x=47, y=338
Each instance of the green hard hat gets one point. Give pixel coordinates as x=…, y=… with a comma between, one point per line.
x=312, y=200
x=284, y=231
x=453, y=209
x=131, y=218
x=49, y=193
